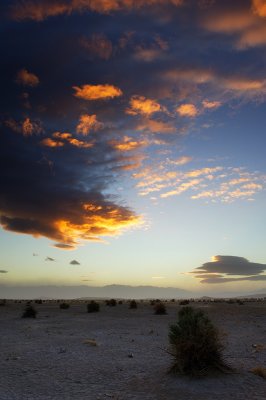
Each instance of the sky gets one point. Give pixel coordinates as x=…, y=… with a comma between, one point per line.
x=132, y=143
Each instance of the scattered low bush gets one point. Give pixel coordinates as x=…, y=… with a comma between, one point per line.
x=195, y=344
x=38, y=301
x=2, y=302
x=64, y=306
x=159, y=309
x=133, y=304
x=184, y=302
x=93, y=306
x=29, y=312
x=260, y=371
x=112, y=303
x=120, y=302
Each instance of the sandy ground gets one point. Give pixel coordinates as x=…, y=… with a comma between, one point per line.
x=46, y=358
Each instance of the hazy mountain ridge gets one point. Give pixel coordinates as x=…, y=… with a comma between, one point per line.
x=116, y=291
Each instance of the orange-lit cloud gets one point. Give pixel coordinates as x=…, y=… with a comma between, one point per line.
x=180, y=161
x=181, y=188
x=27, y=126
x=26, y=78
x=248, y=27
x=60, y=139
x=98, y=46
x=128, y=144
x=211, y=104
x=142, y=105
x=209, y=183
x=259, y=7
x=88, y=123
x=187, y=110
x=146, y=54
x=79, y=224
x=155, y=126
x=203, y=171
x=48, y=142
x=41, y=9
x=97, y=222
x=97, y=92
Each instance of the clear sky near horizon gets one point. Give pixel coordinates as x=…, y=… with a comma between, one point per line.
x=132, y=144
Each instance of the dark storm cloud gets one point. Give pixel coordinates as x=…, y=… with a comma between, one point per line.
x=230, y=269
x=3, y=271
x=74, y=262
x=49, y=259
x=61, y=149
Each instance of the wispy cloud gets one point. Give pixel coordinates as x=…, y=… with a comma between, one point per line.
x=26, y=78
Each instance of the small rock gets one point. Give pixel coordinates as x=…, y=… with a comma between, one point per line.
x=130, y=355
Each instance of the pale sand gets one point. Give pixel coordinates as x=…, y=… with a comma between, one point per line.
x=46, y=358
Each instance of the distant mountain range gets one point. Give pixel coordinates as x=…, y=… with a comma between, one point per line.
x=109, y=291
x=74, y=292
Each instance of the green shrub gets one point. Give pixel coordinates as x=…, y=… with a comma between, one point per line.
x=29, y=312
x=93, y=306
x=64, y=306
x=159, y=308
x=133, y=304
x=195, y=344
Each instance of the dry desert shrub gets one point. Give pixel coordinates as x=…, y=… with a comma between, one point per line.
x=93, y=306
x=133, y=304
x=159, y=308
x=29, y=312
x=195, y=344
x=260, y=371
x=64, y=306
x=184, y=302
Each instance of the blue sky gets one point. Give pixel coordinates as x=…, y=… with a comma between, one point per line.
x=133, y=142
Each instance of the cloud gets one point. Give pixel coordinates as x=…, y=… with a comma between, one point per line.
x=128, y=144
x=155, y=126
x=246, y=26
x=211, y=104
x=259, y=7
x=97, y=92
x=3, y=271
x=61, y=139
x=181, y=160
x=143, y=106
x=187, y=110
x=98, y=46
x=49, y=259
x=74, y=262
x=27, y=126
x=229, y=269
x=59, y=194
x=211, y=184
x=88, y=123
x=26, y=78
x=39, y=10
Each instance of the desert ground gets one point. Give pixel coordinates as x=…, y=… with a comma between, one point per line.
x=55, y=357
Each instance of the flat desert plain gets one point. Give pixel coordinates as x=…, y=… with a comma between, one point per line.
x=55, y=357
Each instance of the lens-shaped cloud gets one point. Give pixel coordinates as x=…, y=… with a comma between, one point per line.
x=229, y=269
